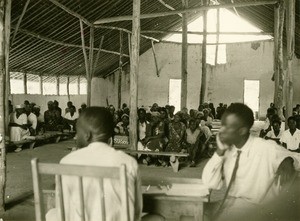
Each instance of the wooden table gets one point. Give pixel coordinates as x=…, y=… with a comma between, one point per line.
x=174, y=198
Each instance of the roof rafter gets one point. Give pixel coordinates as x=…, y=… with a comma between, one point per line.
x=64, y=43
x=75, y=14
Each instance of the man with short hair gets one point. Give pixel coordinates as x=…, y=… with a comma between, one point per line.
x=94, y=137
x=253, y=168
x=290, y=138
x=18, y=125
x=70, y=118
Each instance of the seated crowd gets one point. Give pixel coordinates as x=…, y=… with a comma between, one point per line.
x=160, y=129
x=27, y=120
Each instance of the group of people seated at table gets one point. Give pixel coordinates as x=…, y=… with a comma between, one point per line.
x=27, y=120
x=160, y=129
x=275, y=130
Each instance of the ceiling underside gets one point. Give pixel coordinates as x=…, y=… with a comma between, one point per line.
x=33, y=52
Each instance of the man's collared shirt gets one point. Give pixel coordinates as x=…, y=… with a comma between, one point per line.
x=292, y=141
x=101, y=154
x=257, y=169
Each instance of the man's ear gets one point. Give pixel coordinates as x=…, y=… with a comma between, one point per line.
x=244, y=131
x=88, y=136
x=110, y=142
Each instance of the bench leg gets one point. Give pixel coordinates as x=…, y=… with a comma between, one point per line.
x=57, y=139
x=174, y=163
x=31, y=145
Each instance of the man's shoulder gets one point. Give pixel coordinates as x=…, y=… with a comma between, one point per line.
x=104, y=155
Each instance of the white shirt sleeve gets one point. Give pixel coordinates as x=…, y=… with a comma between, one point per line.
x=283, y=137
x=212, y=173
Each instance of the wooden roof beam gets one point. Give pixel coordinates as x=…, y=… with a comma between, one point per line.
x=64, y=43
x=124, y=30
x=168, y=6
x=187, y=10
x=75, y=14
x=208, y=33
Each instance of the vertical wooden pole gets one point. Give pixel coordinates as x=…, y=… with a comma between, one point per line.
x=68, y=88
x=7, y=29
x=78, y=85
x=90, y=69
x=41, y=84
x=203, y=78
x=134, y=70
x=25, y=83
x=184, y=57
x=120, y=71
x=87, y=69
x=279, y=12
x=57, y=85
x=5, y=10
x=290, y=44
x=217, y=36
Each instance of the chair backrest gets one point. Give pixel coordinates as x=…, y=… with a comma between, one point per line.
x=58, y=170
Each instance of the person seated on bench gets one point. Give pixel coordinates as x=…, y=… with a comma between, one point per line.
x=276, y=132
x=40, y=129
x=82, y=107
x=94, y=137
x=18, y=126
x=195, y=139
x=70, y=119
x=156, y=141
x=56, y=107
x=32, y=120
x=176, y=136
x=69, y=105
x=253, y=169
x=122, y=128
x=52, y=118
x=290, y=138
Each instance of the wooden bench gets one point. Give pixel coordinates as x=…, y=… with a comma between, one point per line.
x=154, y=153
x=32, y=140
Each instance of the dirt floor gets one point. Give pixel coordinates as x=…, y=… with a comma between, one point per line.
x=19, y=190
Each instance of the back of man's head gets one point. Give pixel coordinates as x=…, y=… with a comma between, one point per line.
x=243, y=112
x=95, y=124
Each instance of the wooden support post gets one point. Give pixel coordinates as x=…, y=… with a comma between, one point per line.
x=86, y=62
x=5, y=9
x=203, y=78
x=279, y=13
x=25, y=83
x=41, y=84
x=218, y=36
x=155, y=58
x=134, y=70
x=91, y=66
x=98, y=55
x=7, y=29
x=78, y=85
x=290, y=44
x=184, y=57
x=120, y=71
x=57, y=84
x=68, y=88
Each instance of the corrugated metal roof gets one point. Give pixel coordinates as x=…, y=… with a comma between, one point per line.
x=43, y=18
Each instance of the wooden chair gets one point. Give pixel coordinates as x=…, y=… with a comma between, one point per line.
x=58, y=170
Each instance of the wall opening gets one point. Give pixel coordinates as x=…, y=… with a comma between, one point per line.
x=175, y=93
x=251, y=95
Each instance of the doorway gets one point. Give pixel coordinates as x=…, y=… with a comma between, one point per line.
x=251, y=95
x=175, y=93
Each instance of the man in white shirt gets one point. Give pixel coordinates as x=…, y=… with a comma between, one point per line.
x=71, y=117
x=290, y=138
x=94, y=133
x=18, y=125
x=275, y=133
x=32, y=120
x=253, y=168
